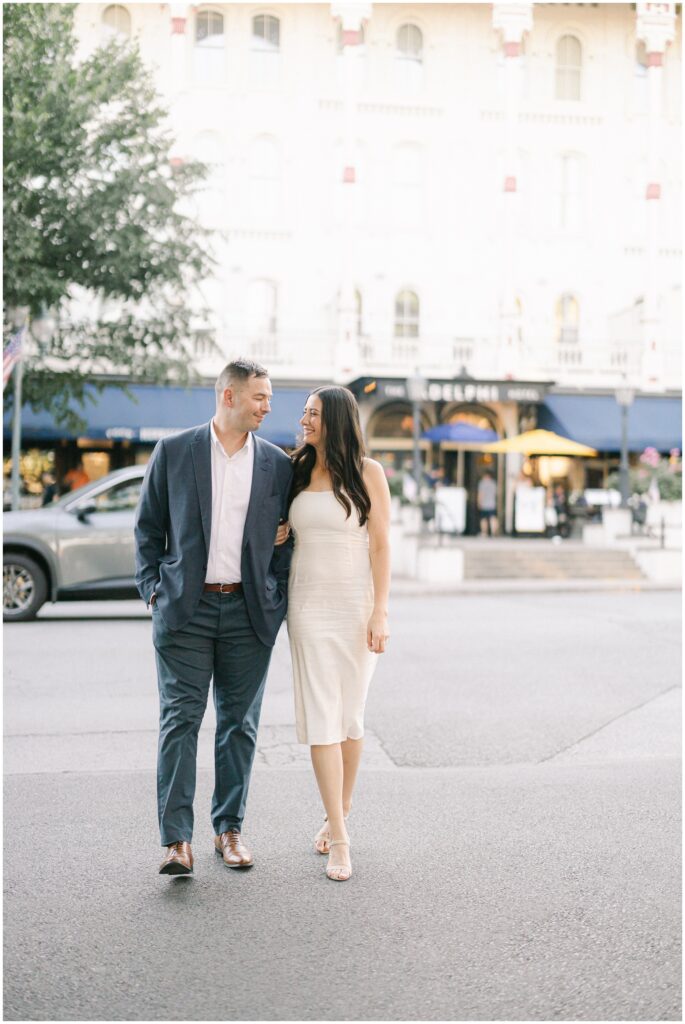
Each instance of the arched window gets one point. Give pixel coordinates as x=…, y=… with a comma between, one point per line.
x=567, y=319
x=116, y=21
x=408, y=186
x=406, y=314
x=266, y=33
x=410, y=43
x=209, y=47
x=264, y=165
x=570, y=192
x=569, y=64
x=409, y=56
x=262, y=310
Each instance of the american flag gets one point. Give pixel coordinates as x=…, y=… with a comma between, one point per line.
x=11, y=355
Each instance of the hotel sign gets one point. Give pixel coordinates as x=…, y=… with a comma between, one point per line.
x=465, y=391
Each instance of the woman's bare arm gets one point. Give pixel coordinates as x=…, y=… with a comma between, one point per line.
x=379, y=552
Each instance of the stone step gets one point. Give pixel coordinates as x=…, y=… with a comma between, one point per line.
x=550, y=563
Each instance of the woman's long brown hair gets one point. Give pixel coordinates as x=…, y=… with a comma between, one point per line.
x=344, y=452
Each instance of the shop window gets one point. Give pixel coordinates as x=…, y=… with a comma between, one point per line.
x=407, y=315
x=209, y=47
x=116, y=22
x=568, y=70
x=395, y=421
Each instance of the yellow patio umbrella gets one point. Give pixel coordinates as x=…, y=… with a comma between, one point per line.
x=539, y=442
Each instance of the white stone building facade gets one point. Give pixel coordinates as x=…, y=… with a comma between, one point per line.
x=486, y=191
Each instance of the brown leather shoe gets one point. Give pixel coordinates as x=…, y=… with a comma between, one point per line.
x=178, y=861
x=233, y=850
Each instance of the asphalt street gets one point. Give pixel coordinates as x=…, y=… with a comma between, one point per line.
x=516, y=832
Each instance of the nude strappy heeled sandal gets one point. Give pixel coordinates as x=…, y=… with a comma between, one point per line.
x=322, y=836
x=343, y=871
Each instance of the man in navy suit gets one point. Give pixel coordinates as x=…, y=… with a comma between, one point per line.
x=206, y=564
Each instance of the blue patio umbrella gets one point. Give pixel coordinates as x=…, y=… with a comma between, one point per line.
x=460, y=431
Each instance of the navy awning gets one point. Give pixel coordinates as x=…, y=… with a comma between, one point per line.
x=595, y=420
x=460, y=432
x=154, y=411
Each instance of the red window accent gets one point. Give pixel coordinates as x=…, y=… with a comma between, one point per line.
x=178, y=26
x=655, y=59
x=653, y=191
x=510, y=183
x=349, y=176
x=512, y=49
x=351, y=37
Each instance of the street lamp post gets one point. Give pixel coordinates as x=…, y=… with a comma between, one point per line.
x=624, y=398
x=415, y=390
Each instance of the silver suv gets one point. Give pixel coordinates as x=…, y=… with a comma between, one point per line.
x=79, y=547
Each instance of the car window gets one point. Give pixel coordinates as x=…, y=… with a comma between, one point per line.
x=123, y=497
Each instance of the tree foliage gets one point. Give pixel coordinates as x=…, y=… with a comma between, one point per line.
x=93, y=228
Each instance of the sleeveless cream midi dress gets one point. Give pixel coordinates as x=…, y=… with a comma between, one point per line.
x=330, y=600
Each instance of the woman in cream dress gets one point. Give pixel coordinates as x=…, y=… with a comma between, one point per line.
x=338, y=601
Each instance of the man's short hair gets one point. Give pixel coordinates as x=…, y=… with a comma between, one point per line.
x=237, y=372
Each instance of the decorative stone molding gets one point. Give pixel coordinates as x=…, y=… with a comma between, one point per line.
x=578, y=119
x=656, y=28
x=351, y=16
x=179, y=19
x=512, y=20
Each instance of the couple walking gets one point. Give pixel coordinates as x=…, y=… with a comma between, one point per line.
x=218, y=564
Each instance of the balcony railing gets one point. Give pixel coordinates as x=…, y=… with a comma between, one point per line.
x=312, y=354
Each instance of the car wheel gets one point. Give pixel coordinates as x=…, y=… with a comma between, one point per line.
x=24, y=590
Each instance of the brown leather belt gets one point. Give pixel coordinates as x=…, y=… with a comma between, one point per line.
x=223, y=588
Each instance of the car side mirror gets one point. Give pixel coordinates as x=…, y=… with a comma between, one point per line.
x=84, y=511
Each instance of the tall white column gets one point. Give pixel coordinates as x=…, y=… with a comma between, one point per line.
x=351, y=17
x=656, y=27
x=511, y=21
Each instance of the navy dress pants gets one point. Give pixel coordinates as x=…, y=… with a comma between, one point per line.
x=217, y=643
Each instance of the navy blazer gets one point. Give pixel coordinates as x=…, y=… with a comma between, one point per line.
x=174, y=522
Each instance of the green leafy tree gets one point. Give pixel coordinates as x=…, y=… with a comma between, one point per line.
x=92, y=200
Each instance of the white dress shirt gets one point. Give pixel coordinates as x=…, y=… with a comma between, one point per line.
x=231, y=486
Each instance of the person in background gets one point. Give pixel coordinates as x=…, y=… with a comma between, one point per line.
x=49, y=488
x=487, y=504
x=561, y=506
x=76, y=477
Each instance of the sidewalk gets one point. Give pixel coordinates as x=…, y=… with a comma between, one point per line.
x=414, y=588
